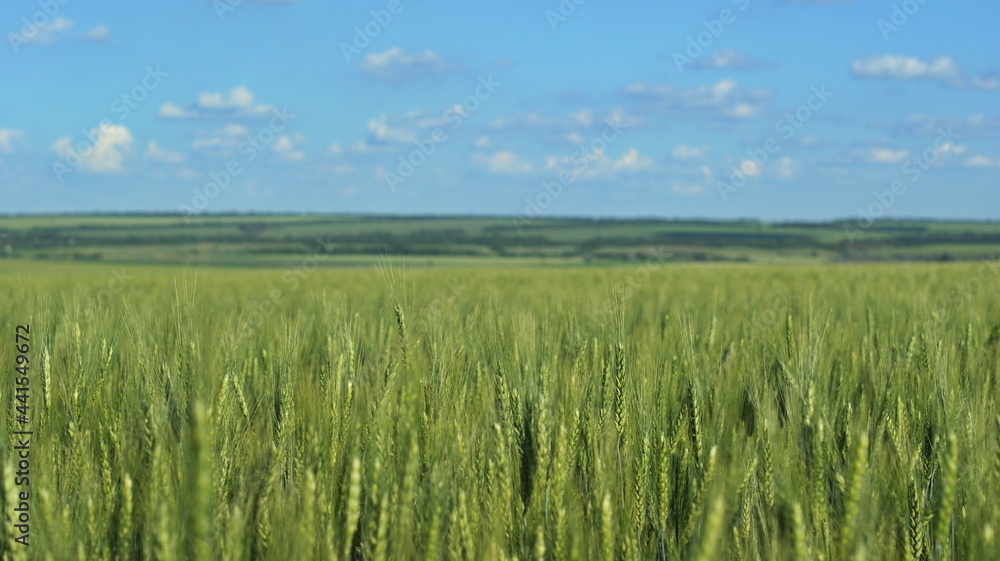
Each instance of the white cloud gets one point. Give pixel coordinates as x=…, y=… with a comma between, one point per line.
x=884, y=155
x=952, y=149
x=105, y=155
x=599, y=164
x=983, y=162
x=787, y=167
x=683, y=152
x=974, y=127
x=340, y=169
x=156, y=153
x=365, y=147
x=631, y=161
x=285, y=148
x=171, y=111
x=723, y=99
x=396, y=65
x=682, y=188
x=989, y=83
x=898, y=67
x=503, y=163
x=238, y=103
x=220, y=142
x=47, y=33
x=749, y=168
x=400, y=130
x=98, y=34
x=727, y=58
x=687, y=188
x=576, y=128
x=7, y=138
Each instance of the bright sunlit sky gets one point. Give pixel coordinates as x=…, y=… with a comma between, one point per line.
x=503, y=107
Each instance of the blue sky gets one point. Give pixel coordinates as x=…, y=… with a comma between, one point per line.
x=775, y=109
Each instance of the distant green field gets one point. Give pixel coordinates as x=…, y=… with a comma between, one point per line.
x=351, y=240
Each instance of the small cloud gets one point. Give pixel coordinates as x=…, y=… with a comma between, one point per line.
x=728, y=59
x=482, y=142
x=503, y=163
x=898, y=67
x=723, y=99
x=396, y=65
x=884, y=155
x=576, y=128
x=989, y=82
x=682, y=188
x=749, y=168
x=632, y=161
x=599, y=164
x=7, y=138
x=687, y=188
x=238, y=103
x=340, y=169
x=46, y=33
x=285, y=148
x=105, y=155
x=787, y=167
x=983, y=162
x=98, y=34
x=221, y=142
x=157, y=154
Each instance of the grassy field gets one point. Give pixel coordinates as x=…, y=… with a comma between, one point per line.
x=647, y=411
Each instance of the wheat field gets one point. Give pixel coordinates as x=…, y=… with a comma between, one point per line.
x=646, y=412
